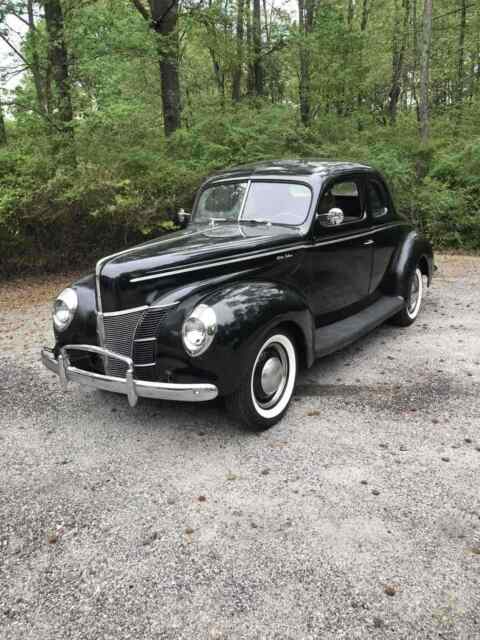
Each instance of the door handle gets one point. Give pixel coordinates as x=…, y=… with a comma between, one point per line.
x=368, y=242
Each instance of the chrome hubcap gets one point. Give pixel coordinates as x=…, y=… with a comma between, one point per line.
x=270, y=375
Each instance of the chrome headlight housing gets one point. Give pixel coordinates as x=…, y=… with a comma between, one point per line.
x=199, y=330
x=64, y=309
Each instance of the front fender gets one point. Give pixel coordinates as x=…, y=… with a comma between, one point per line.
x=245, y=311
x=83, y=328
x=412, y=251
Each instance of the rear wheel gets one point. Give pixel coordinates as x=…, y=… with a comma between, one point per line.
x=267, y=388
x=413, y=303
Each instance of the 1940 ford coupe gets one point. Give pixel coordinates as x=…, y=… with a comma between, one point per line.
x=281, y=263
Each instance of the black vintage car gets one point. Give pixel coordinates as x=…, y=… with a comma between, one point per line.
x=281, y=263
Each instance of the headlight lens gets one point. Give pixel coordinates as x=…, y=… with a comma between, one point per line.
x=199, y=330
x=64, y=309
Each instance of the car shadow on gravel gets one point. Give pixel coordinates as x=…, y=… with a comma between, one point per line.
x=161, y=415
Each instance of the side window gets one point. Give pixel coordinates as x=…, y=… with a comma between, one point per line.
x=343, y=195
x=377, y=200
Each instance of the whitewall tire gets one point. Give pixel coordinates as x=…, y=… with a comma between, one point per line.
x=267, y=388
x=413, y=300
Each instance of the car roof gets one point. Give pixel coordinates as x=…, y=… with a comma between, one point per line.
x=298, y=168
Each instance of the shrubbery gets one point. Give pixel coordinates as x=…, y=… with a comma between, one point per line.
x=129, y=181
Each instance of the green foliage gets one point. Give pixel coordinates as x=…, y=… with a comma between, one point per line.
x=129, y=180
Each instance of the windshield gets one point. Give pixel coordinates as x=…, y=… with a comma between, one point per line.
x=256, y=202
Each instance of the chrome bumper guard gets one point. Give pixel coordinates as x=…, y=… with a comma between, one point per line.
x=129, y=386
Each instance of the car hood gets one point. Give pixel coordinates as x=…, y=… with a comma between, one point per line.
x=127, y=279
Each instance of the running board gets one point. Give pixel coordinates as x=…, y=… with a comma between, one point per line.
x=338, y=335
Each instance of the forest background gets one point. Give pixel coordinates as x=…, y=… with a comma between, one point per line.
x=112, y=112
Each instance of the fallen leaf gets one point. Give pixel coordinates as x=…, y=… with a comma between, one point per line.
x=52, y=537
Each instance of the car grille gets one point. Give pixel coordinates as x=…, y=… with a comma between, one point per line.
x=133, y=335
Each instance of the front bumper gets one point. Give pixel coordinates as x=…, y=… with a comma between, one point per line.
x=129, y=386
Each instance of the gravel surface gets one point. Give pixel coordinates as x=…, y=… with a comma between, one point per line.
x=357, y=517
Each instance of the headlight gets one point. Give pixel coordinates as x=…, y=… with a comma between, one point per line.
x=64, y=309
x=199, y=330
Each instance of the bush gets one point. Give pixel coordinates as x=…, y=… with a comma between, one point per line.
x=126, y=187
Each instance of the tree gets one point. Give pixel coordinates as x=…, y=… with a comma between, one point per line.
x=258, y=70
x=364, y=22
x=28, y=56
x=425, y=71
x=3, y=130
x=62, y=119
x=461, y=54
x=39, y=79
x=399, y=43
x=162, y=17
x=237, y=72
x=306, y=14
x=363, y=29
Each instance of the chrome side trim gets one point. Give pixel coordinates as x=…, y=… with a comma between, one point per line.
x=264, y=254
x=129, y=386
x=208, y=265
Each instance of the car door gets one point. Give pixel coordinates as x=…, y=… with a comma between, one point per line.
x=388, y=227
x=342, y=255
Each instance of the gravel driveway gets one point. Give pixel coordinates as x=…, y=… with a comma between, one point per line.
x=357, y=517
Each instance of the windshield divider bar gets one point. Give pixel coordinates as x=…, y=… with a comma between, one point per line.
x=247, y=191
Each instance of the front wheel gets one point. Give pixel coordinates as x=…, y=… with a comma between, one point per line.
x=267, y=388
x=413, y=303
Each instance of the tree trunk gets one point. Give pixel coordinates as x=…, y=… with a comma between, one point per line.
x=350, y=14
x=58, y=60
x=475, y=70
x=3, y=131
x=306, y=11
x=363, y=28
x=164, y=22
x=237, y=73
x=267, y=25
x=415, y=56
x=35, y=66
x=364, y=22
x=251, y=66
x=399, y=45
x=461, y=54
x=259, y=73
x=425, y=70
x=163, y=18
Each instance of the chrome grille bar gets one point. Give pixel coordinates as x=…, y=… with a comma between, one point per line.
x=119, y=334
x=130, y=333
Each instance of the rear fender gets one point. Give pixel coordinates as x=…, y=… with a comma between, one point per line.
x=414, y=250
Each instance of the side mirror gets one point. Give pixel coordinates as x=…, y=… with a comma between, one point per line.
x=332, y=218
x=183, y=217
